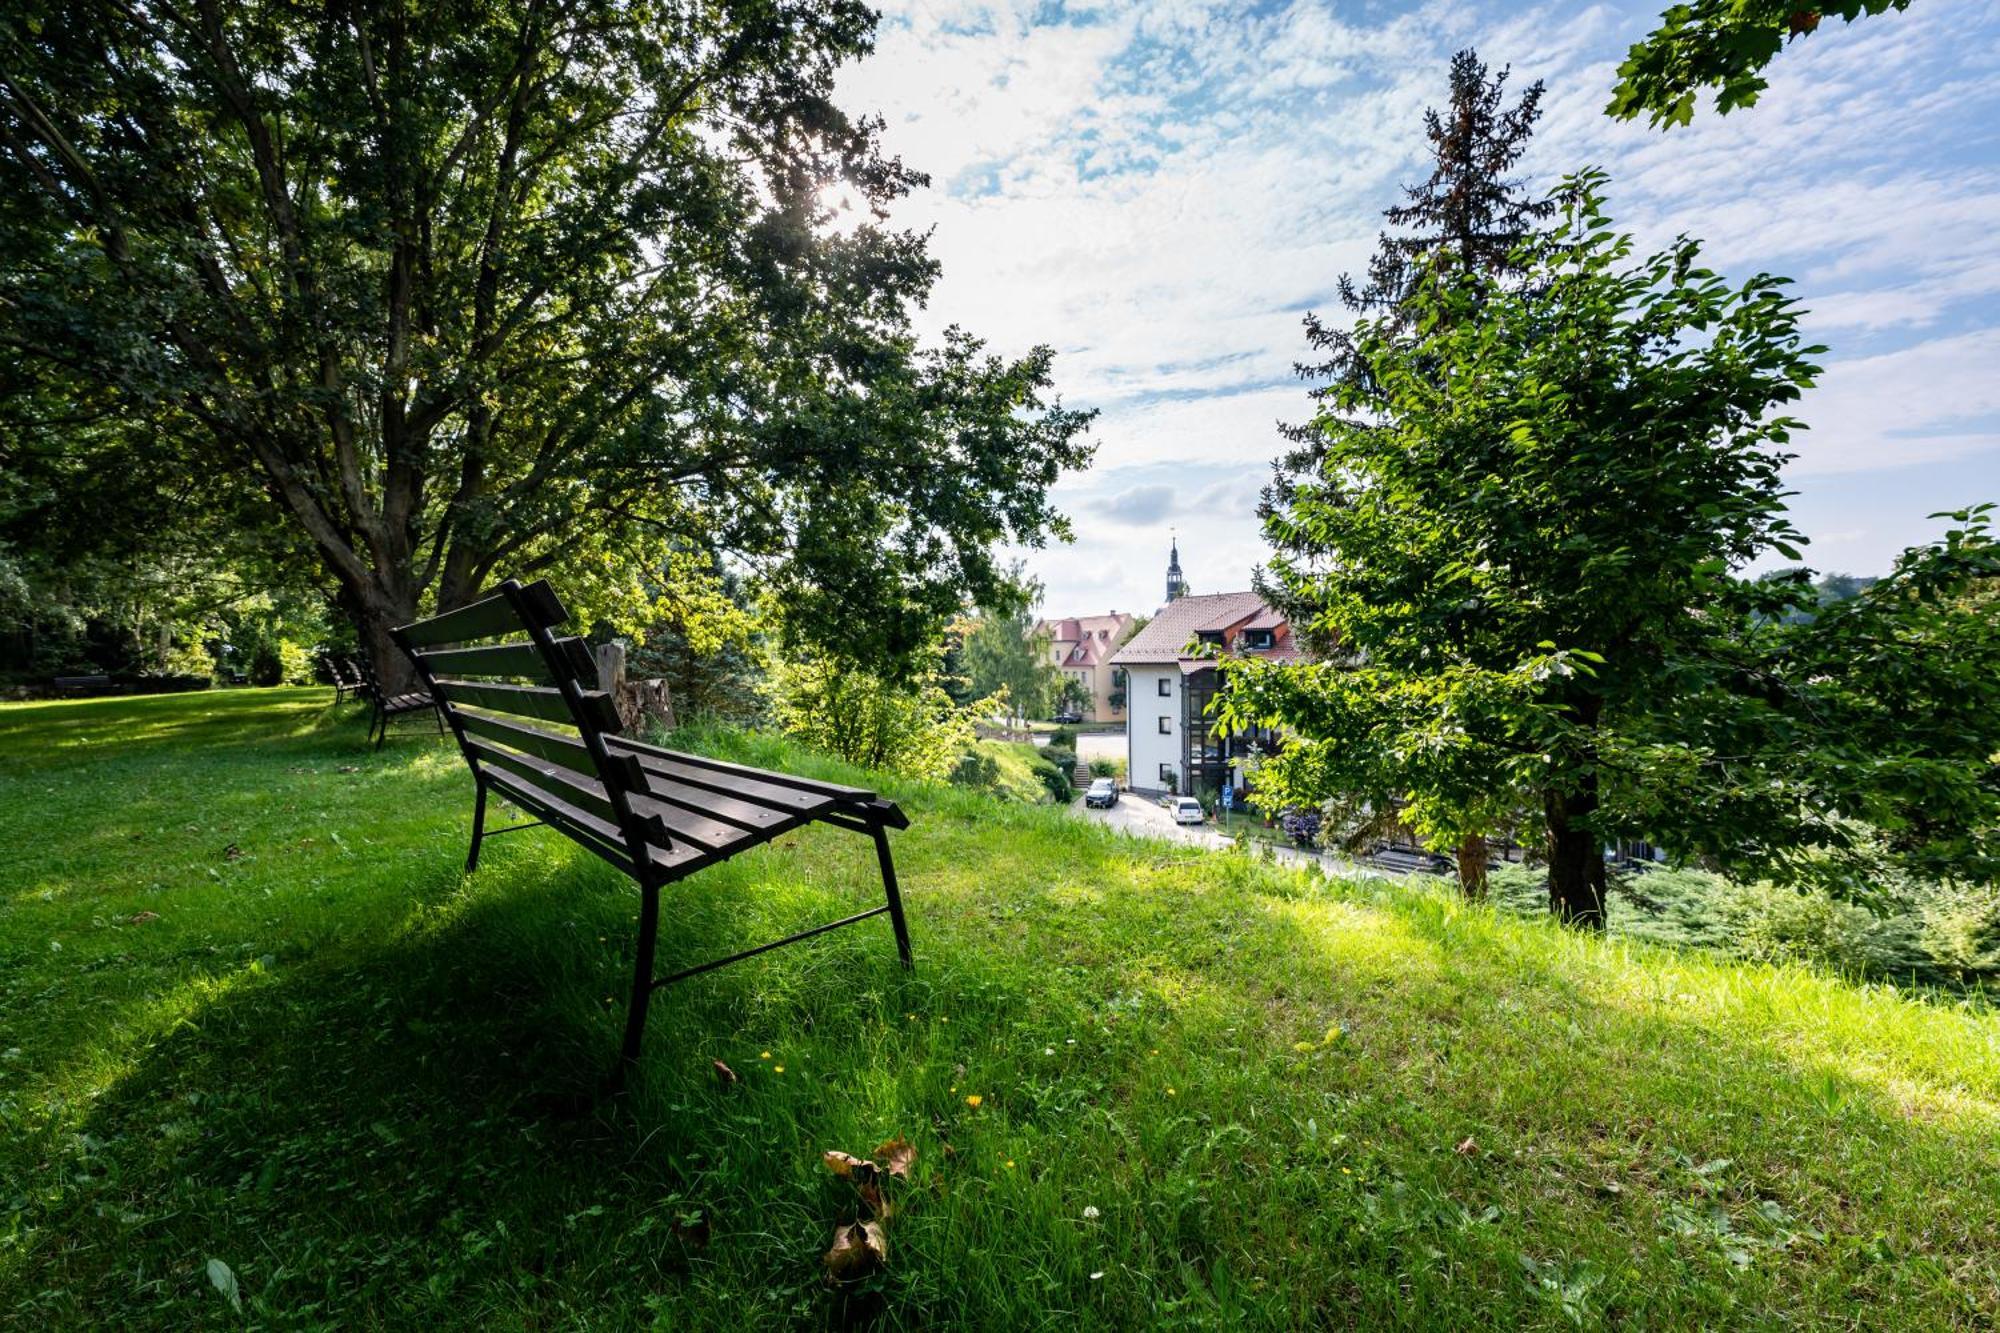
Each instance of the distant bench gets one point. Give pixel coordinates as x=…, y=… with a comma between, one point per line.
x=658, y=815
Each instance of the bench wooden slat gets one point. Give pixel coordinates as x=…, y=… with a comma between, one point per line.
x=834, y=789
x=487, y=618
x=727, y=809
x=755, y=791
x=595, y=834
x=511, y=659
x=558, y=781
x=539, y=701
x=694, y=825
x=569, y=751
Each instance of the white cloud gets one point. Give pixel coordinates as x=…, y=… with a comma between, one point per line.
x=1160, y=190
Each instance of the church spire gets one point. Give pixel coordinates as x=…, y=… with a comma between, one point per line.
x=1176, y=585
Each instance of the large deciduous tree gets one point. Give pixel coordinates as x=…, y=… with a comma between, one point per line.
x=1719, y=45
x=1471, y=215
x=1515, y=525
x=470, y=289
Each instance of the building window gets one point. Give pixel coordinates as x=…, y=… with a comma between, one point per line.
x=1167, y=776
x=1166, y=726
x=1166, y=687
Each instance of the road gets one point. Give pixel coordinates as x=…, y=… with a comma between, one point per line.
x=1141, y=818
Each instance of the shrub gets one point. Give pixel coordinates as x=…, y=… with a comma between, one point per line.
x=1961, y=929
x=1104, y=768
x=1063, y=758
x=1053, y=778
x=976, y=768
x=1063, y=738
x=1302, y=827
x=915, y=729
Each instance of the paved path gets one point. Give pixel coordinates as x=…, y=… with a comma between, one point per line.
x=1142, y=818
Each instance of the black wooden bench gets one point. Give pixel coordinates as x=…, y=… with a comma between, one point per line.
x=390, y=706
x=656, y=814
x=346, y=678
x=81, y=684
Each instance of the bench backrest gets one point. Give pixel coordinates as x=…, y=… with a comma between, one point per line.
x=530, y=720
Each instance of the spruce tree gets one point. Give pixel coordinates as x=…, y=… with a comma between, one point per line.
x=1469, y=216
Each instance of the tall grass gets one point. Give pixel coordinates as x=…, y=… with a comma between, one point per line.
x=254, y=1014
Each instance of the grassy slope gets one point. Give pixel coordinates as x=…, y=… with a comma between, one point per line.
x=335, y=1064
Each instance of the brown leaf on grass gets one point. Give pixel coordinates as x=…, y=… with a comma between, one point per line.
x=896, y=1156
x=232, y=853
x=724, y=1074
x=1466, y=1147
x=349, y=768
x=849, y=1167
x=858, y=1249
x=141, y=918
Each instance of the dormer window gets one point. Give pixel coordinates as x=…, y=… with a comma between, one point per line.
x=1209, y=636
x=1256, y=640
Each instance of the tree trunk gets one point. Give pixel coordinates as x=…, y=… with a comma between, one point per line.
x=372, y=623
x=1576, y=865
x=1472, y=856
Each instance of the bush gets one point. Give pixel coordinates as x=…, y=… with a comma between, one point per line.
x=1062, y=758
x=1104, y=768
x=1961, y=929
x=1054, y=778
x=913, y=729
x=1302, y=827
x=976, y=768
x=1063, y=738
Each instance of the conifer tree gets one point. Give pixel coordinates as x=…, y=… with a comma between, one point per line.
x=1469, y=215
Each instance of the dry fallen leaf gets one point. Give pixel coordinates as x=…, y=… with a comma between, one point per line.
x=140, y=918
x=896, y=1156
x=849, y=1167
x=724, y=1074
x=858, y=1249
x=1466, y=1147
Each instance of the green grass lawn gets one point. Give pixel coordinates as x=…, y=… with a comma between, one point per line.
x=252, y=1012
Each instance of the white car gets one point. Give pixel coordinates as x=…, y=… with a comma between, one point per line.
x=1187, y=810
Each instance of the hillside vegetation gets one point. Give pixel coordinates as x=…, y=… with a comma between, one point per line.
x=266, y=1045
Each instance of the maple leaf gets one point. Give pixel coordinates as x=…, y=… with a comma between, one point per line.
x=858, y=1249
x=896, y=1156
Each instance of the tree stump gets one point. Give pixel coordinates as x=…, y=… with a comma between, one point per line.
x=637, y=701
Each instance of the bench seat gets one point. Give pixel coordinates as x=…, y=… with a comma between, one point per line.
x=534, y=732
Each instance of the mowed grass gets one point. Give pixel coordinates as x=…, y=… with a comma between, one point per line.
x=252, y=1011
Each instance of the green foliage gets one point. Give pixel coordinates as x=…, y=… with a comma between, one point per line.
x=1722, y=45
x=911, y=727
x=976, y=768
x=450, y=293
x=1513, y=526
x=1003, y=655
x=271, y=1032
x=1961, y=929
x=1104, y=768
x=1063, y=738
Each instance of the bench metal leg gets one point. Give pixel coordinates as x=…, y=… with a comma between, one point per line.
x=478, y=826
x=894, y=895
x=642, y=976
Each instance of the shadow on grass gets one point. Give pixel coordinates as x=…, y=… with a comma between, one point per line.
x=381, y=1140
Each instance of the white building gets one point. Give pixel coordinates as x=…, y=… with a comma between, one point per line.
x=1169, y=743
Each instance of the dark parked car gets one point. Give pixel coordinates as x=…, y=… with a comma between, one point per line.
x=1068, y=717
x=1103, y=793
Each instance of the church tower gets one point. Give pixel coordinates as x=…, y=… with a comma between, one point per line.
x=1176, y=585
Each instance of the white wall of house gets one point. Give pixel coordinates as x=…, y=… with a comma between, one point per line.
x=1146, y=746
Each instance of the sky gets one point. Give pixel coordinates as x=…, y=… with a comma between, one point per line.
x=1161, y=190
